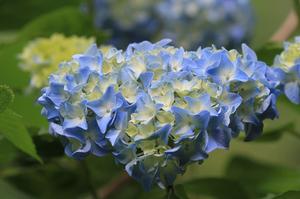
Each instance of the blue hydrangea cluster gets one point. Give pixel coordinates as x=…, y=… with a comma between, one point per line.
x=287, y=70
x=127, y=20
x=156, y=108
x=222, y=23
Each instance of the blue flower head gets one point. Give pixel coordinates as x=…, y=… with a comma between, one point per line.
x=222, y=23
x=156, y=108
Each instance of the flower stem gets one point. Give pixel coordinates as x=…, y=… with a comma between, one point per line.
x=114, y=186
x=171, y=193
x=88, y=179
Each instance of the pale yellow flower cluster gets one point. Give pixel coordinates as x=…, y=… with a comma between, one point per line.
x=289, y=56
x=42, y=56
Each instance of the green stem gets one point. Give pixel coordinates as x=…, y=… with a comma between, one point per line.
x=88, y=179
x=170, y=192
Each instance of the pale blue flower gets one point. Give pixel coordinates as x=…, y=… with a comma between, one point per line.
x=156, y=108
x=222, y=23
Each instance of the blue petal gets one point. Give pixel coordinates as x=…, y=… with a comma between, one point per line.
x=227, y=71
x=57, y=94
x=93, y=51
x=292, y=91
x=201, y=120
x=75, y=122
x=98, y=151
x=253, y=131
x=179, y=113
x=99, y=107
x=248, y=53
x=55, y=129
x=146, y=79
x=112, y=135
x=79, y=153
x=163, y=133
x=103, y=123
x=218, y=139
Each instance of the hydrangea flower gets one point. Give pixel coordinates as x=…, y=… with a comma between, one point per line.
x=287, y=69
x=42, y=56
x=222, y=23
x=126, y=21
x=157, y=108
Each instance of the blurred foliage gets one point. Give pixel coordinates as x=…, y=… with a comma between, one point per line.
x=66, y=20
x=27, y=10
x=276, y=133
x=220, y=188
x=7, y=191
x=6, y=97
x=268, y=20
x=289, y=195
x=260, y=179
x=12, y=128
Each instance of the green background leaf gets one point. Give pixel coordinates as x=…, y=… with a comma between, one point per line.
x=9, y=192
x=12, y=128
x=66, y=20
x=220, y=188
x=6, y=97
x=261, y=178
x=289, y=195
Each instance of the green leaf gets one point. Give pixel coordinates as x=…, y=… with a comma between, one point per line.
x=6, y=97
x=289, y=195
x=12, y=128
x=30, y=109
x=28, y=10
x=10, y=73
x=62, y=178
x=7, y=191
x=66, y=20
x=220, y=188
x=7, y=153
x=261, y=178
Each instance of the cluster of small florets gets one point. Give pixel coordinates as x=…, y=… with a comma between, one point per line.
x=42, y=55
x=222, y=23
x=127, y=21
x=287, y=69
x=157, y=108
